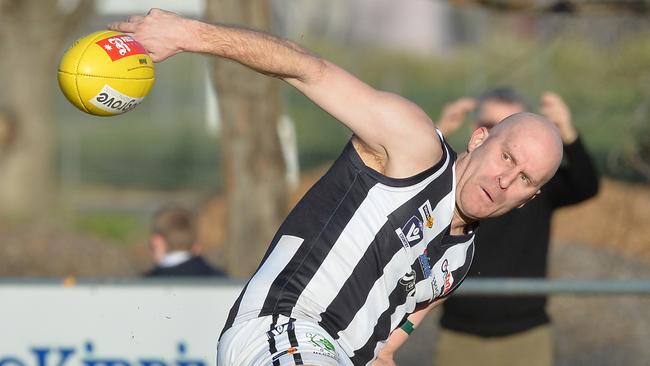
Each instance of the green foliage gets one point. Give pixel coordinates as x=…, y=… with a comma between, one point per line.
x=120, y=228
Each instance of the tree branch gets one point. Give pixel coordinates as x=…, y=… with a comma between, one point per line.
x=639, y=7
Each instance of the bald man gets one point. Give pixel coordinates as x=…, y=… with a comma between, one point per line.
x=386, y=233
x=512, y=330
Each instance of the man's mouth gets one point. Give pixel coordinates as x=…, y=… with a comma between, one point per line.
x=487, y=194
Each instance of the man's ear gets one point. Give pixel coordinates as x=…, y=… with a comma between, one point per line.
x=477, y=138
x=197, y=249
x=531, y=198
x=158, y=247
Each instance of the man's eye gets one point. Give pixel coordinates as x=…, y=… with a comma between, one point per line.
x=524, y=178
x=505, y=156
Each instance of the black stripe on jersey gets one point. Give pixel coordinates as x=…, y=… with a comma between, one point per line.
x=354, y=292
x=272, y=348
x=233, y=312
x=293, y=279
x=382, y=329
x=291, y=332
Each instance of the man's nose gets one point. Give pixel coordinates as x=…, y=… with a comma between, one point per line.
x=507, y=178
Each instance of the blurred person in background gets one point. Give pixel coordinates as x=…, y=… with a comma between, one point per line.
x=512, y=330
x=173, y=246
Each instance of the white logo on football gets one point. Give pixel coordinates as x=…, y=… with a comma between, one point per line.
x=122, y=47
x=111, y=100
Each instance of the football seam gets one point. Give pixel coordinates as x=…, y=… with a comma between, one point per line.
x=106, y=76
x=77, y=69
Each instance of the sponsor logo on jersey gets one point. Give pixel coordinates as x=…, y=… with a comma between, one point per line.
x=117, y=47
x=447, y=277
x=413, y=231
x=279, y=329
x=447, y=280
x=112, y=101
x=408, y=281
x=435, y=287
x=425, y=264
x=426, y=212
x=325, y=347
x=402, y=239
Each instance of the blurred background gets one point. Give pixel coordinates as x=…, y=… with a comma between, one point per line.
x=77, y=192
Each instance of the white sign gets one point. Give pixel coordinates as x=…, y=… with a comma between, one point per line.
x=112, y=325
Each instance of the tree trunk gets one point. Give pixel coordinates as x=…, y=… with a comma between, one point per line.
x=32, y=33
x=253, y=166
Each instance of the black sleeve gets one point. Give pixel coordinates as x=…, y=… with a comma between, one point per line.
x=576, y=180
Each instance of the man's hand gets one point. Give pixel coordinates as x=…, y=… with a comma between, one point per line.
x=453, y=115
x=384, y=360
x=553, y=107
x=161, y=33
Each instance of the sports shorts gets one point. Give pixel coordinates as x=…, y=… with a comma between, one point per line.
x=276, y=340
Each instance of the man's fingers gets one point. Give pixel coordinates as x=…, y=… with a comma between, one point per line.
x=135, y=19
x=465, y=104
x=154, y=11
x=125, y=27
x=551, y=98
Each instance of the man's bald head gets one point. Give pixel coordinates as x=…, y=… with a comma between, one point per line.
x=537, y=132
x=505, y=166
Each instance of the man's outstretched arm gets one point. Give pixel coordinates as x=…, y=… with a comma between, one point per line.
x=395, y=129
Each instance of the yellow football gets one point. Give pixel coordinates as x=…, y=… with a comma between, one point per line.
x=106, y=73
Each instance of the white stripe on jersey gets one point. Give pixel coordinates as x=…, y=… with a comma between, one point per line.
x=258, y=286
x=351, y=245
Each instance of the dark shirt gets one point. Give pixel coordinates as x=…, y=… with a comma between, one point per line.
x=516, y=245
x=195, y=266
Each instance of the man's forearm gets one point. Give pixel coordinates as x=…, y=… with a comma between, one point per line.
x=400, y=335
x=259, y=51
x=164, y=34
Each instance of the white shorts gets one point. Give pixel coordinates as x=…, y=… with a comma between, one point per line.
x=276, y=340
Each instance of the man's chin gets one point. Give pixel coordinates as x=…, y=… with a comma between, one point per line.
x=483, y=214
x=500, y=212
x=468, y=216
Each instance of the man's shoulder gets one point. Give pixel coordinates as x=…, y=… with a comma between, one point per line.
x=200, y=265
x=411, y=154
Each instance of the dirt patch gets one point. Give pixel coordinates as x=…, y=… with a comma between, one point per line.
x=618, y=219
x=45, y=250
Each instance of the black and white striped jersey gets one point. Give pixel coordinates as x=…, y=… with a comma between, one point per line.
x=360, y=251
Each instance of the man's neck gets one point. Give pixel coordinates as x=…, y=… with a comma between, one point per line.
x=460, y=222
x=175, y=258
